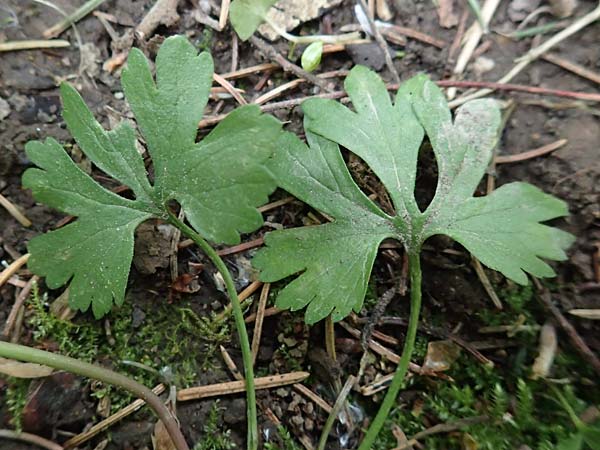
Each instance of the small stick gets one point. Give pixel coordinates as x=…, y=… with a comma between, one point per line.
x=485, y=281
x=276, y=204
x=577, y=69
x=337, y=407
x=418, y=36
x=460, y=32
x=545, y=149
x=33, y=44
x=380, y=349
x=490, y=86
x=14, y=211
x=30, y=439
x=13, y=268
x=379, y=38
x=242, y=73
x=535, y=53
x=269, y=51
x=224, y=13
x=247, y=292
x=233, y=387
x=12, y=316
x=330, y=338
x=229, y=88
x=576, y=340
x=79, y=439
x=230, y=250
x=312, y=396
x=230, y=363
x=173, y=247
x=272, y=311
x=268, y=96
x=76, y=16
x=472, y=38
x=592, y=314
x=260, y=315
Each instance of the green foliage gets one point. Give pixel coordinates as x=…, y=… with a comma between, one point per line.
x=218, y=181
x=214, y=438
x=247, y=15
x=286, y=441
x=186, y=344
x=502, y=230
x=311, y=56
x=16, y=398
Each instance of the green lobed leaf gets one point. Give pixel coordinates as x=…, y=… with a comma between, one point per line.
x=218, y=181
x=247, y=15
x=333, y=262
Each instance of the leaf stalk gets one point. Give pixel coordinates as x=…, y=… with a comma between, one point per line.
x=60, y=362
x=414, y=262
x=239, y=323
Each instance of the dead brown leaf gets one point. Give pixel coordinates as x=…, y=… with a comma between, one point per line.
x=19, y=369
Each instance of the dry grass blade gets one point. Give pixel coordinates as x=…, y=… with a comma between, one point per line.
x=14, y=211
x=224, y=13
x=14, y=312
x=260, y=315
x=312, y=396
x=33, y=44
x=485, y=281
x=544, y=150
x=13, y=268
x=335, y=411
x=81, y=438
x=233, y=387
x=572, y=67
x=535, y=53
x=77, y=15
x=592, y=314
x=229, y=88
x=242, y=73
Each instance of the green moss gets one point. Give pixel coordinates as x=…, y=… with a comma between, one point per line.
x=286, y=441
x=170, y=335
x=215, y=438
x=16, y=397
x=520, y=411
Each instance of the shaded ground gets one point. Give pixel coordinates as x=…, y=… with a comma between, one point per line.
x=159, y=327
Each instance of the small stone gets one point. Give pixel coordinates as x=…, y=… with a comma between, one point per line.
x=309, y=424
x=119, y=95
x=4, y=109
x=297, y=420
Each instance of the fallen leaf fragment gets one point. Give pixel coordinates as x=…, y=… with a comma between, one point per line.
x=593, y=314
x=546, y=352
x=19, y=369
x=440, y=355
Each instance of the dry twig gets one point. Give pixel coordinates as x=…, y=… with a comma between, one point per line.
x=30, y=439
x=14, y=211
x=12, y=316
x=33, y=44
x=269, y=51
x=260, y=315
x=543, y=150
x=13, y=268
x=586, y=353
x=233, y=387
x=110, y=420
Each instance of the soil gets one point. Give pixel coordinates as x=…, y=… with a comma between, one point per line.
x=454, y=297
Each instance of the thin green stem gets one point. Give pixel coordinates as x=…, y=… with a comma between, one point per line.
x=397, y=382
x=28, y=354
x=239, y=323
